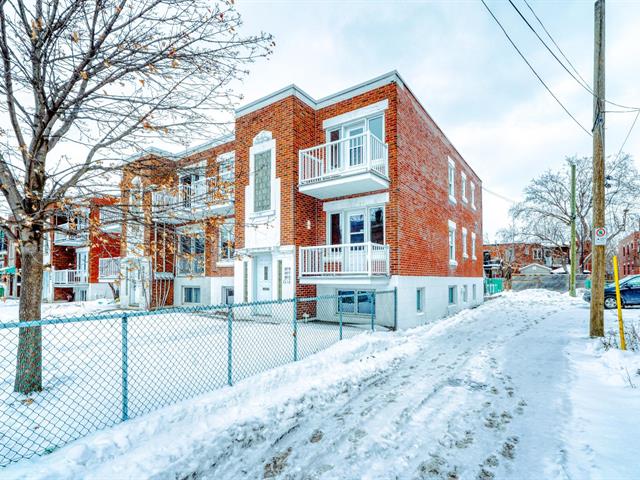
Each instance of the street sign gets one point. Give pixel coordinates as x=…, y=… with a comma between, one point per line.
x=600, y=237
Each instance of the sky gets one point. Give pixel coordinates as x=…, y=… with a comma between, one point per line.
x=460, y=65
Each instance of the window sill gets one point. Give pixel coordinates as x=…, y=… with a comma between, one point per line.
x=465, y=256
x=474, y=258
x=228, y=263
x=452, y=199
x=464, y=200
x=264, y=213
x=453, y=263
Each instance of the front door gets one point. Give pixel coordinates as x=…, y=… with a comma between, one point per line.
x=356, y=144
x=356, y=261
x=263, y=278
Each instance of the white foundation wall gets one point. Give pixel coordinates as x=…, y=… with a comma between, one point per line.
x=96, y=291
x=436, y=299
x=210, y=289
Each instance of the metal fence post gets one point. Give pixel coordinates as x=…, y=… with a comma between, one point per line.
x=340, y=316
x=230, y=345
x=295, y=329
x=125, y=369
x=372, y=298
x=395, y=308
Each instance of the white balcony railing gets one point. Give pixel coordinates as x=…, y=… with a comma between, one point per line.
x=358, y=259
x=70, y=277
x=111, y=218
x=71, y=235
x=108, y=268
x=361, y=153
x=191, y=264
x=201, y=195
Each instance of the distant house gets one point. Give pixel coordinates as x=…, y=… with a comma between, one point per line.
x=535, y=269
x=629, y=255
x=521, y=254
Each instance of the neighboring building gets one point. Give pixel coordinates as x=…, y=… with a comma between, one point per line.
x=81, y=255
x=9, y=266
x=629, y=255
x=519, y=254
x=535, y=269
x=355, y=192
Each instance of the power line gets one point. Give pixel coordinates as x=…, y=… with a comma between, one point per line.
x=502, y=197
x=628, y=134
x=534, y=71
x=584, y=83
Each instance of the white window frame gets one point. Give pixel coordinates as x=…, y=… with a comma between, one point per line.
x=453, y=288
x=537, y=254
x=192, y=287
x=451, y=180
x=262, y=142
x=473, y=246
x=465, y=294
x=463, y=190
x=356, y=291
x=344, y=222
x=465, y=254
x=229, y=224
x=420, y=291
x=472, y=194
x=452, y=243
x=474, y=290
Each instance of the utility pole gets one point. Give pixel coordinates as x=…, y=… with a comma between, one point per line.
x=572, y=251
x=596, y=324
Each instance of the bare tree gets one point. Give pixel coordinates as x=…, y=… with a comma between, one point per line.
x=545, y=213
x=85, y=83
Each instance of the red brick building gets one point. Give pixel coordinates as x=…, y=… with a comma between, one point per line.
x=81, y=255
x=629, y=255
x=521, y=254
x=354, y=192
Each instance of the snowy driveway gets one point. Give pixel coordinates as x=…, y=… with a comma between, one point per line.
x=488, y=393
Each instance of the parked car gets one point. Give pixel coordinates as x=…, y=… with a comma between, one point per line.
x=629, y=292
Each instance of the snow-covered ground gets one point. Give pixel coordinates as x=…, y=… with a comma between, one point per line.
x=9, y=309
x=513, y=389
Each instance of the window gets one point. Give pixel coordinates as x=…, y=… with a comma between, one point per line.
x=452, y=296
x=452, y=181
x=473, y=246
x=464, y=243
x=335, y=229
x=420, y=300
x=463, y=189
x=465, y=293
x=473, y=195
x=452, y=243
x=227, y=295
x=226, y=242
x=359, y=302
x=287, y=276
x=376, y=225
x=537, y=254
x=245, y=282
x=361, y=225
x=191, y=295
x=191, y=253
x=474, y=292
x=262, y=187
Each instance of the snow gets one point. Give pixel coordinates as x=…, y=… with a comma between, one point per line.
x=513, y=389
x=9, y=309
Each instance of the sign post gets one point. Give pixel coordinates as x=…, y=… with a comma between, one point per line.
x=623, y=343
x=600, y=237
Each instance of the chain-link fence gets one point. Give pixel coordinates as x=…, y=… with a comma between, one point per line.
x=95, y=371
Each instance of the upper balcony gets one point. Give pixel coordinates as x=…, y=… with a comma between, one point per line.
x=192, y=201
x=355, y=263
x=356, y=164
x=111, y=219
x=108, y=269
x=71, y=235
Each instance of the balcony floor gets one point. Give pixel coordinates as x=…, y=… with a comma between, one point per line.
x=344, y=184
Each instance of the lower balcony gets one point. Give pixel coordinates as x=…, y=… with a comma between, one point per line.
x=349, y=263
x=63, y=278
x=200, y=199
x=191, y=265
x=108, y=269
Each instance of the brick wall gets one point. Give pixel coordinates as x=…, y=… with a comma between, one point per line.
x=629, y=255
x=423, y=198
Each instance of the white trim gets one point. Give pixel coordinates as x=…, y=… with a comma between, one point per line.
x=473, y=246
x=465, y=234
x=356, y=114
x=463, y=189
x=473, y=195
x=227, y=156
x=451, y=180
x=452, y=258
x=357, y=202
x=262, y=146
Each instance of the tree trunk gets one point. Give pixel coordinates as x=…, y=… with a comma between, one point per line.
x=29, y=361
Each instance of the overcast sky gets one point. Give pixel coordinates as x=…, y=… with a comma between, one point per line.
x=462, y=68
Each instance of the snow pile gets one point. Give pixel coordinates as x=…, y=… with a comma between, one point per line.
x=513, y=389
x=9, y=309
